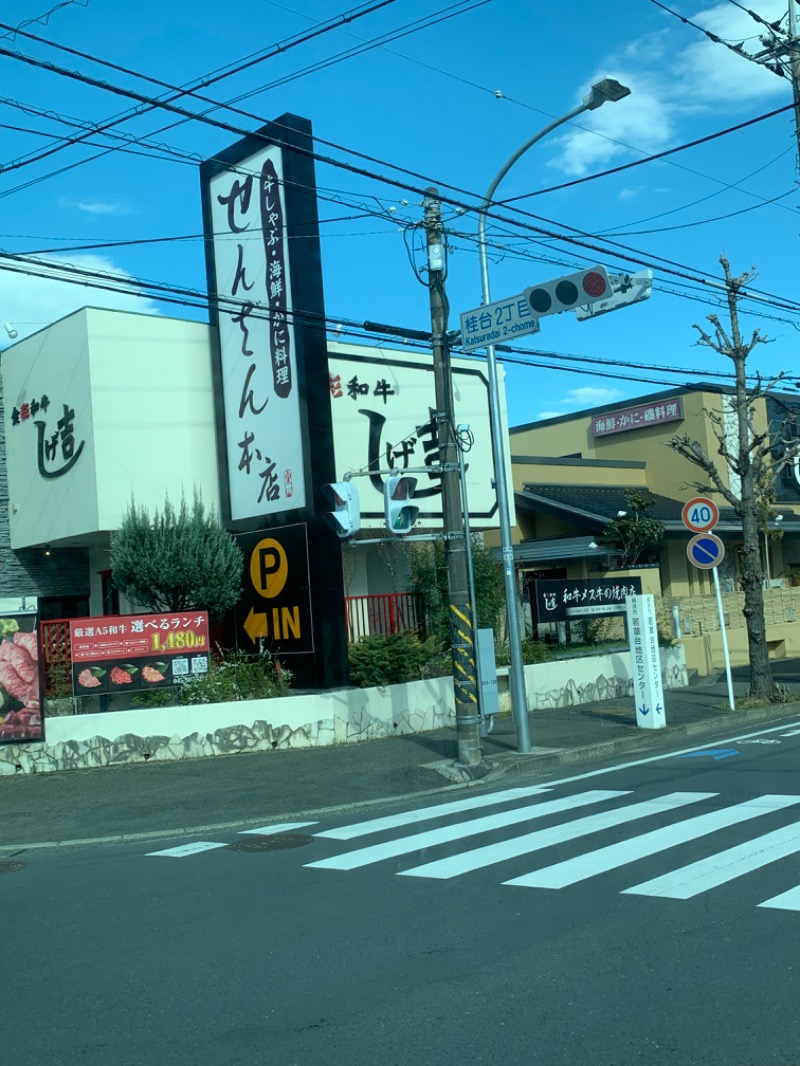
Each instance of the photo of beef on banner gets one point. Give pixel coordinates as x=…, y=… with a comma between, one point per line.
x=20, y=706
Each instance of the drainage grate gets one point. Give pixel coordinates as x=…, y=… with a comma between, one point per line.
x=276, y=842
x=10, y=867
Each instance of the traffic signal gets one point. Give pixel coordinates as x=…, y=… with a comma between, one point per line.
x=626, y=289
x=345, y=517
x=401, y=515
x=569, y=292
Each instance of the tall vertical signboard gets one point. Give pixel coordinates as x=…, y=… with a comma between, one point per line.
x=648, y=688
x=272, y=389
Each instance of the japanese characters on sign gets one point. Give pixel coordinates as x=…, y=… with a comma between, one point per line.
x=114, y=653
x=20, y=686
x=648, y=688
x=572, y=598
x=497, y=322
x=260, y=394
x=56, y=450
x=648, y=414
x=384, y=419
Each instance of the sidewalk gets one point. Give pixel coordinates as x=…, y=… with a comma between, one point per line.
x=172, y=797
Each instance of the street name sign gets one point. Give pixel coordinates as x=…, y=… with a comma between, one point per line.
x=705, y=551
x=498, y=323
x=700, y=514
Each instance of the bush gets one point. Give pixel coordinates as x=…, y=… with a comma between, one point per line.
x=533, y=651
x=236, y=677
x=379, y=661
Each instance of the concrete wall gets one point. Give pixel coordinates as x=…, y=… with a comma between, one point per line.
x=346, y=716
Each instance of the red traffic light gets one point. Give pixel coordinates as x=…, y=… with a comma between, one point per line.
x=594, y=284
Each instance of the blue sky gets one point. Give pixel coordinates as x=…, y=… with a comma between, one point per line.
x=451, y=102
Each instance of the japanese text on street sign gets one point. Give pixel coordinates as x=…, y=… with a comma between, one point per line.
x=494, y=323
x=648, y=689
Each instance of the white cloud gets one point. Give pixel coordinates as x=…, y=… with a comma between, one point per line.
x=590, y=394
x=97, y=207
x=32, y=302
x=584, y=396
x=673, y=76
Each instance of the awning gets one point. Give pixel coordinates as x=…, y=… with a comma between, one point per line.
x=549, y=549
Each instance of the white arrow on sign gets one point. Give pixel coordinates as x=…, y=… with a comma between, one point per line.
x=627, y=289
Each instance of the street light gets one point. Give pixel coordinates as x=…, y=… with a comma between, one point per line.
x=601, y=91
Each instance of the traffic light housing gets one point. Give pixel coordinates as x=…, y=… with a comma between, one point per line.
x=345, y=518
x=568, y=292
x=400, y=514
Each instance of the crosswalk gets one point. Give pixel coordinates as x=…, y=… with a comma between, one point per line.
x=689, y=817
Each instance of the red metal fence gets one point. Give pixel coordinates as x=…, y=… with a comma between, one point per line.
x=385, y=614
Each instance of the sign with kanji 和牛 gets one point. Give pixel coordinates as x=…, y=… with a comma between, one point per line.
x=574, y=598
x=117, y=653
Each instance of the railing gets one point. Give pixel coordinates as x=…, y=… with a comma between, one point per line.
x=385, y=614
x=56, y=656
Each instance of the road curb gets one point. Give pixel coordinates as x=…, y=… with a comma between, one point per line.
x=512, y=764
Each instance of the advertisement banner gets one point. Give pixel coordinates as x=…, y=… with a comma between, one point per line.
x=115, y=653
x=570, y=599
x=20, y=680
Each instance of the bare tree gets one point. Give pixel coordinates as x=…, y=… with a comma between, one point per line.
x=752, y=463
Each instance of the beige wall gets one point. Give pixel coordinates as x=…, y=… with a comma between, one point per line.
x=667, y=473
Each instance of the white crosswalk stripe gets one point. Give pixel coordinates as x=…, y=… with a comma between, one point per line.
x=427, y=814
x=444, y=835
x=681, y=883
x=613, y=856
x=718, y=869
x=544, y=838
x=786, y=901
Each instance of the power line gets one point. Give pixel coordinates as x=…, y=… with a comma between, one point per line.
x=666, y=265
x=225, y=72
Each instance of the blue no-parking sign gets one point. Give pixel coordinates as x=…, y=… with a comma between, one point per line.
x=705, y=551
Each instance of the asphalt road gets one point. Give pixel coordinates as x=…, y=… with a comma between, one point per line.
x=655, y=920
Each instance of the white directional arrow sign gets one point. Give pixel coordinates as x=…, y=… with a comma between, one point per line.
x=626, y=289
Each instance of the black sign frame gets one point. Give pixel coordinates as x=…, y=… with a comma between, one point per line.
x=326, y=665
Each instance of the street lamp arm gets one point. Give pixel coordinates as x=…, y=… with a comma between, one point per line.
x=489, y=197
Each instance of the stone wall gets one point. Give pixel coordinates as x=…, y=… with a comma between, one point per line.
x=341, y=717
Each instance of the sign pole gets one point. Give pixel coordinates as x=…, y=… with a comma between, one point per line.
x=724, y=635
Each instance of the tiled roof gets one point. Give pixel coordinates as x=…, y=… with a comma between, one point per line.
x=600, y=503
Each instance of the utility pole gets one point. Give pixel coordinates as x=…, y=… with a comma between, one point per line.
x=460, y=610
x=780, y=54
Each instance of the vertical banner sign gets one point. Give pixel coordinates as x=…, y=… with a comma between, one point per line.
x=648, y=689
x=271, y=381
x=257, y=344
x=20, y=679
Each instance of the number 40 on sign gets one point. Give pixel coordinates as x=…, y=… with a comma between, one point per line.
x=700, y=514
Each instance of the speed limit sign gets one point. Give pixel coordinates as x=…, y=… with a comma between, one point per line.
x=700, y=514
